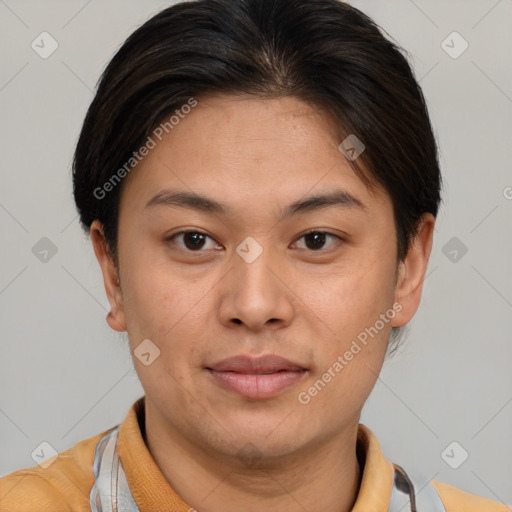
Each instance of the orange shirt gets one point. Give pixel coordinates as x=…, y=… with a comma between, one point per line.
x=65, y=485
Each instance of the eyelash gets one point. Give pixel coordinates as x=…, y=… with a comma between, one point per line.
x=332, y=235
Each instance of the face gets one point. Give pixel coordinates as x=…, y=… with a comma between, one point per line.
x=271, y=298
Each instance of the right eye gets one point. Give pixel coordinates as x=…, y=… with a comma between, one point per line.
x=192, y=241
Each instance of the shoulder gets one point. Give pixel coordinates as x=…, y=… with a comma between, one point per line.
x=457, y=500
x=27, y=491
x=64, y=485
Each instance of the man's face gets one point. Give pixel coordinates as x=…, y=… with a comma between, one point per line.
x=211, y=295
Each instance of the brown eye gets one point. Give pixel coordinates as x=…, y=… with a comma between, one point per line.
x=192, y=240
x=315, y=240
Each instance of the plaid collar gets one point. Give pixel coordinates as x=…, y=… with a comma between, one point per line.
x=111, y=492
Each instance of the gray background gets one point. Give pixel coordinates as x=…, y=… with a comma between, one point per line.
x=65, y=376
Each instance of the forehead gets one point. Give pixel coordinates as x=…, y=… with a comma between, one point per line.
x=245, y=150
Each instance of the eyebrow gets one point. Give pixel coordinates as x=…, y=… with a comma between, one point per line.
x=340, y=198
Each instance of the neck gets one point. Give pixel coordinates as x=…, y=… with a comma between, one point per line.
x=323, y=476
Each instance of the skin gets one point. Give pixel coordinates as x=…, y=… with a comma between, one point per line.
x=256, y=156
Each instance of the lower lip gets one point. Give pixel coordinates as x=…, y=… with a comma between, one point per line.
x=257, y=387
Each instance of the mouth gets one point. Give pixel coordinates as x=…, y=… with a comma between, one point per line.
x=256, y=378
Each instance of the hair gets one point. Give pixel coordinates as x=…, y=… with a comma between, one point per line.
x=324, y=52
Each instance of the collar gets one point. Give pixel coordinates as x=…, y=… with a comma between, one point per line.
x=127, y=478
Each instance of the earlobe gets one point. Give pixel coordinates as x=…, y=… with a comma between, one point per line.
x=115, y=318
x=412, y=271
x=113, y=322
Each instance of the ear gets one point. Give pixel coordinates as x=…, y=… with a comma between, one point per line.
x=412, y=270
x=116, y=318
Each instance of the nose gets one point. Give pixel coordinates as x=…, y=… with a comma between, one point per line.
x=257, y=294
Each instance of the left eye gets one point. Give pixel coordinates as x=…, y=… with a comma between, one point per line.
x=316, y=239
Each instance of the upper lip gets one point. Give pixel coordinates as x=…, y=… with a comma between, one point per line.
x=255, y=365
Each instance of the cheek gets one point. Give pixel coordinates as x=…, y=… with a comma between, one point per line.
x=348, y=362
x=165, y=310
x=352, y=303
x=168, y=308
x=347, y=301
x=351, y=337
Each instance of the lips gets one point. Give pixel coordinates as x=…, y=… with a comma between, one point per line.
x=255, y=365
x=256, y=377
